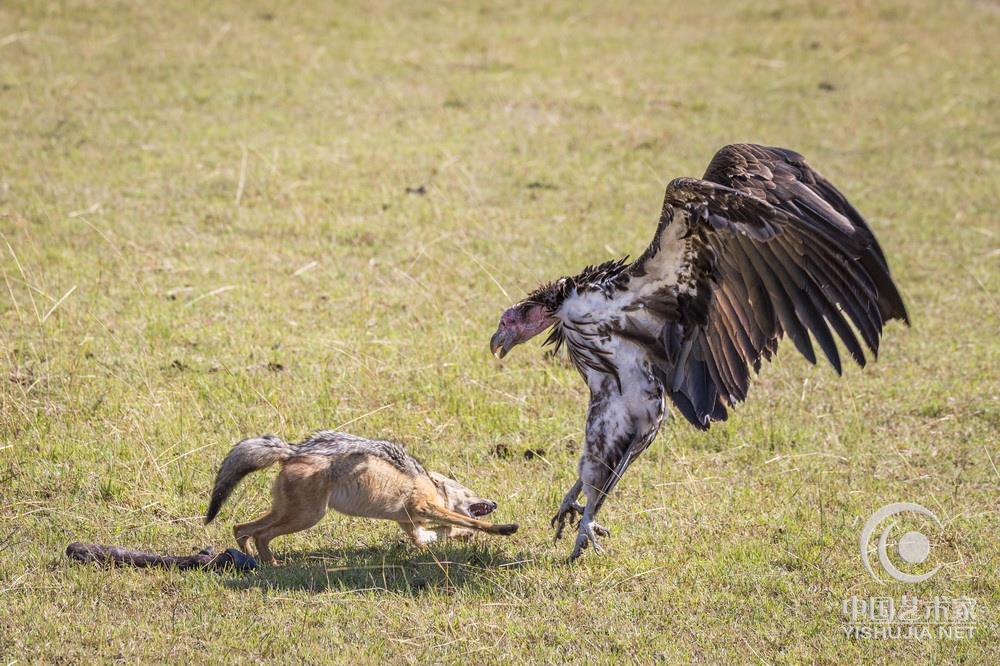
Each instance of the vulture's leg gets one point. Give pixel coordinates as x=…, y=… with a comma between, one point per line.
x=608, y=424
x=589, y=530
x=569, y=508
x=619, y=428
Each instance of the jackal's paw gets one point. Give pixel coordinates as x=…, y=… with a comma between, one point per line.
x=506, y=530
x=422, y=536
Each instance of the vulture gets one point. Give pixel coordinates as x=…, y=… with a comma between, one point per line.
x=759, y=248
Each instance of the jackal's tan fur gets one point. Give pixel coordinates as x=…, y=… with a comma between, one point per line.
x=355, y=476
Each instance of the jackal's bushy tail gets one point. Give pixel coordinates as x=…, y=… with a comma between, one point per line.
x=247, y=456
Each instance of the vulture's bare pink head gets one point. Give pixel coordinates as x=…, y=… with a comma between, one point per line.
x=518, y=324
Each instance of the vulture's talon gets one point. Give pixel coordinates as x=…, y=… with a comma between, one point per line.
x=589, y=531
x=581, y=545
x=564, y=515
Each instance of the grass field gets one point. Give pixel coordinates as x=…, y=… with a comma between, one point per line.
x=225, y=219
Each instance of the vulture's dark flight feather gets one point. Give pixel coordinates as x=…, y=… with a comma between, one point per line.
x=762, y=246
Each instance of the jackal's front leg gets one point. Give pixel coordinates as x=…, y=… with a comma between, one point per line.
x=420, y=535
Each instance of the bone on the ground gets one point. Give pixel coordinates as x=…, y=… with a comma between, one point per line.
x=207, y=559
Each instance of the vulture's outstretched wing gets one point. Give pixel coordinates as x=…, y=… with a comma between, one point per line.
x=762, y=246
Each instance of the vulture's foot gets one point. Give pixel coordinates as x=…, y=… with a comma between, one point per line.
x=568, y=511
x=589, y=531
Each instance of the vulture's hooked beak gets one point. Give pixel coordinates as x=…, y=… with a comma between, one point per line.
x=520, y=322
x=500, y=343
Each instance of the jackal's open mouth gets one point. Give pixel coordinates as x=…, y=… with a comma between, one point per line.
x=480, y=509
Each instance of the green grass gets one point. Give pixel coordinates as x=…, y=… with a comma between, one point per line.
x=207, y=235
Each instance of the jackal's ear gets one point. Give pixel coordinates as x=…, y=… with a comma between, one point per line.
x=441, y=483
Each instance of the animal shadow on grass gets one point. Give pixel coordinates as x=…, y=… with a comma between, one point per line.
x=399, y=568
